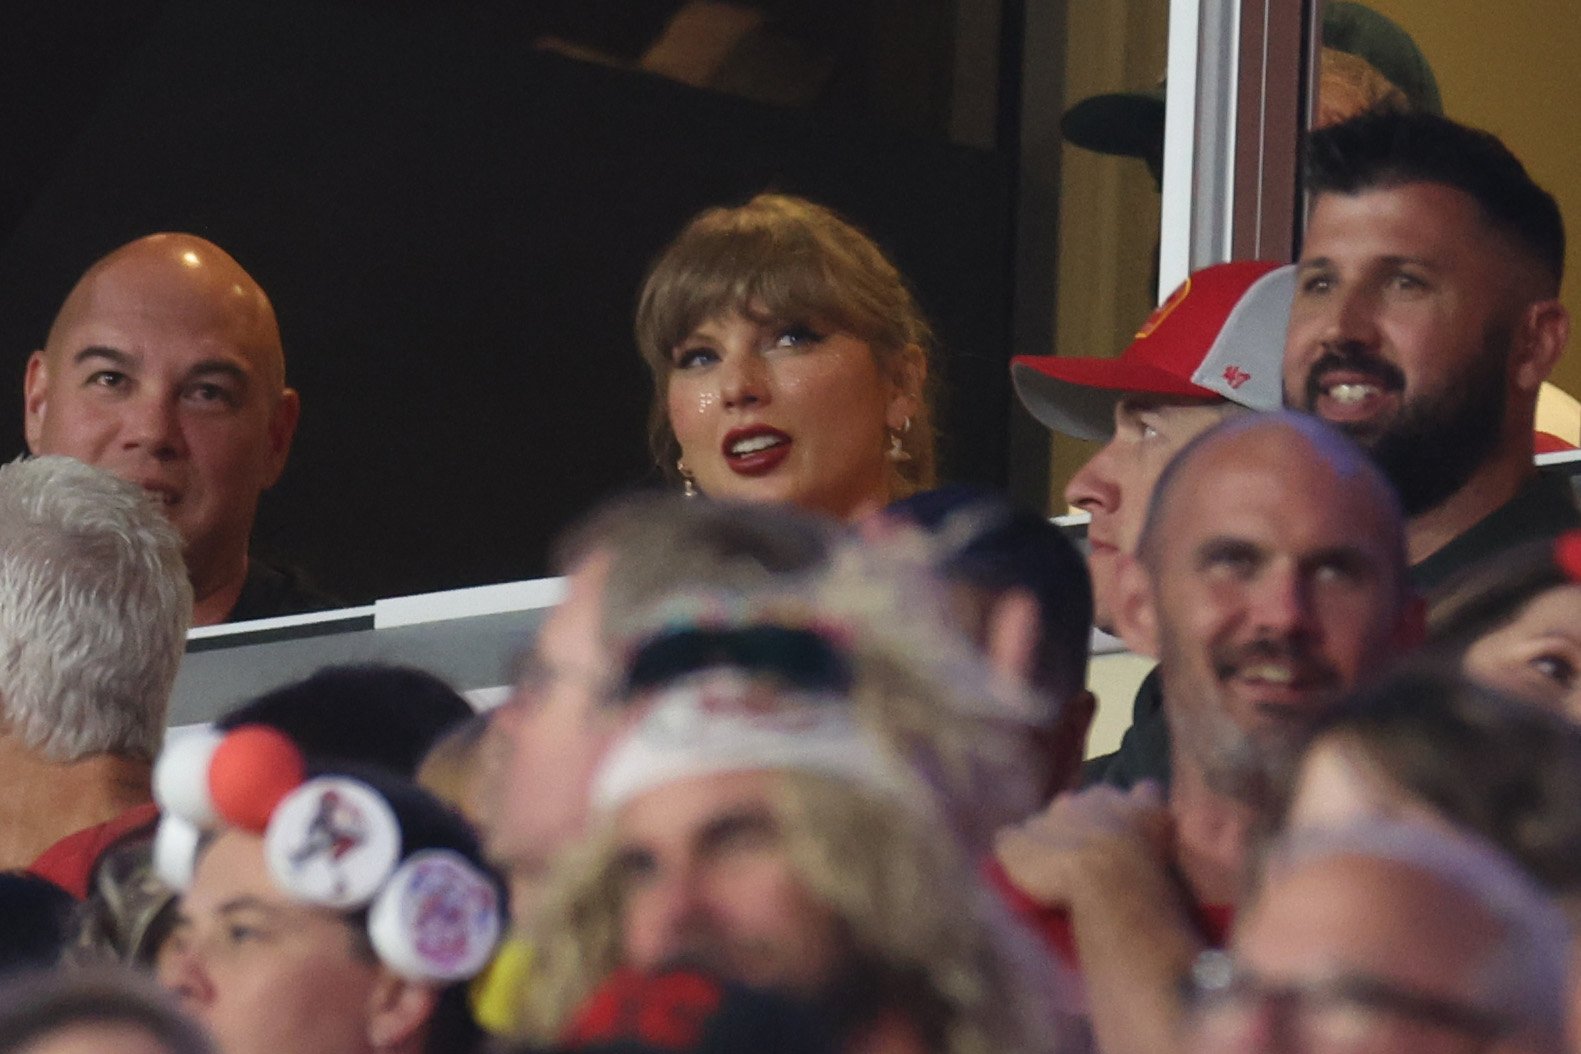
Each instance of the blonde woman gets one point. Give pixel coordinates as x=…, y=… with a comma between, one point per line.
x=790, y=361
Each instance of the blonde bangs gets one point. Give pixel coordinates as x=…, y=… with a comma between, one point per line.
x=774, y=260
x=782, y=260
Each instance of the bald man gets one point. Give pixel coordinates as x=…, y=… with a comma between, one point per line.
x=164, y=367
x=1270, y=577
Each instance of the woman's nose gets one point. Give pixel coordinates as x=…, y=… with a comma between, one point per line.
x=179, y=968
x=743, y=380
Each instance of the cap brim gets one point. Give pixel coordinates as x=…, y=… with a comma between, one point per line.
x=1076, y=397
x=1130, y=124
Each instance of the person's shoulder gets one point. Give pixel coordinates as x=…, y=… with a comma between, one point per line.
x=69, y=862
x=1144, y=749
x=1544, y=508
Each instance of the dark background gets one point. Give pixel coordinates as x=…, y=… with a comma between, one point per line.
x=453, y=223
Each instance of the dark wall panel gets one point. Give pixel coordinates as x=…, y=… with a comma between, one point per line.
x=453, y=226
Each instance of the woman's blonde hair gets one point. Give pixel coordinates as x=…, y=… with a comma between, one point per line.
x=785, y=259
x=909, y=898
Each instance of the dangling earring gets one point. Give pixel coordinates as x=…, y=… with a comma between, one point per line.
x=688, y=481
x=897, y=450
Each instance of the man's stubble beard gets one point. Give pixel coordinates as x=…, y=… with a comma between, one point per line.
x=1238, y=764
x=1437, y=441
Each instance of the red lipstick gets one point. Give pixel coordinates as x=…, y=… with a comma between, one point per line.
x=755, y=450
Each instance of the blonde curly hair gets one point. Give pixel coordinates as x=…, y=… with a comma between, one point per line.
x=916, y=910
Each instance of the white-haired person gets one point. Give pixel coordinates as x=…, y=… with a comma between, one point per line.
x=759, y=819
x=94, y=607
x=339, y=912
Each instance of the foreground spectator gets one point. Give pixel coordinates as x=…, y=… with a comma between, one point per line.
x=1018, y=589
x=94, y=604
x=93, y=1012
x=1426, y=318
x=622, y=559
x=375, y=715
x=749, y=822
x=344, y=917
x=1270, y=578
x=1387, y=938
x=1428, y=745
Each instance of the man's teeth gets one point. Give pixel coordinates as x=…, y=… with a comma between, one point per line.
x=1269, y=672
x=1352, y=393
x=754, y=444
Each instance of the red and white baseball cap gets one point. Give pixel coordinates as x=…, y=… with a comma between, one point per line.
x=1221, y=335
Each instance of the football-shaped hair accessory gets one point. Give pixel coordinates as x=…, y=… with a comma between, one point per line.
x=251, y=771
x=181, y=776
x=175, y=851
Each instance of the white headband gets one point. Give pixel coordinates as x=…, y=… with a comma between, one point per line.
x=719, y=721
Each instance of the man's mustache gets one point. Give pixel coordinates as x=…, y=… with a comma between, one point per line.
x=1307, y=669
x=1352, y=358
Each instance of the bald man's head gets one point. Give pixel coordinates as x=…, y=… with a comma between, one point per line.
x=164, y=366
x=187, y=274
x=1271, y=579
x=1276, y=437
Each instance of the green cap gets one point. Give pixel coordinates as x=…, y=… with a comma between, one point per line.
x=1132, y=123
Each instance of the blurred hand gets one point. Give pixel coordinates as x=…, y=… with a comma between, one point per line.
x=1100, y=841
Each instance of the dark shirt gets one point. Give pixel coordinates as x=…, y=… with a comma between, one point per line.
x=1144, y=749
x=1545, y=507
x=270, y=591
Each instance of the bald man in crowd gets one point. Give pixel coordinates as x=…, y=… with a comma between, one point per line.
x=1270, y=577
x=164, y=366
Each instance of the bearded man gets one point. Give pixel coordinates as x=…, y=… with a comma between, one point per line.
x=1426, y=318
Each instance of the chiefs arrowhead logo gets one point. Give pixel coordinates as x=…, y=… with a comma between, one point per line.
x=1163, y=311
x=1234, y=376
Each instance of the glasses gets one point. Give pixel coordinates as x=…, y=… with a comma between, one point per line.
x=1332, y=1014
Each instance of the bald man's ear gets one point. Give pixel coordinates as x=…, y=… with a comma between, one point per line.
x=35, y=400
x=398, y=1010
x=1136, y=617
x=1544, y=332
x=282, y=427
